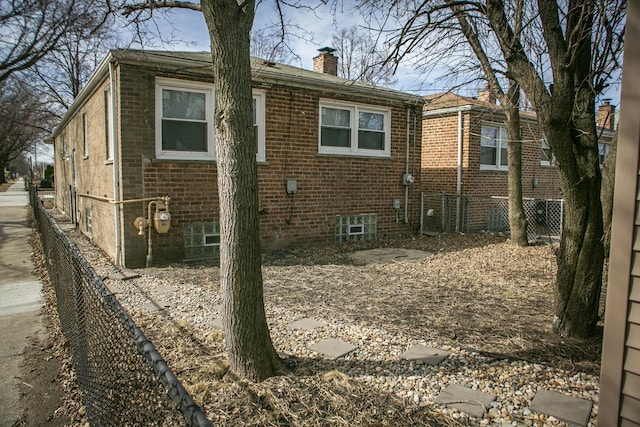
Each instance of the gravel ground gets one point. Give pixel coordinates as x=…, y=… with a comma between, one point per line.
x=487, y=302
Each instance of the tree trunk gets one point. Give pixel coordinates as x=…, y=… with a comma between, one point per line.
x=518, y=223
x=2, y=179
x=581, y=254
x=606, y=194
x=566, y=114
x=249, y=346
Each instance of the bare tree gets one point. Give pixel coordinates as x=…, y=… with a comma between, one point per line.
x=63, y=72
x=577, y=46
x=32, y=29
x=24, y=120
x=269, y=43
x=360, y=57
x=249, y=346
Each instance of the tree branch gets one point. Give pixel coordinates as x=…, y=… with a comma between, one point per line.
x=151, y=5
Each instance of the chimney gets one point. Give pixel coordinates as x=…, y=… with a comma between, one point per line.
x=486, y=95
x=326, y=62
x=606, y=119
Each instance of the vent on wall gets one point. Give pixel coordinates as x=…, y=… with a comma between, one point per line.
x=361, y=227
x=202, y=241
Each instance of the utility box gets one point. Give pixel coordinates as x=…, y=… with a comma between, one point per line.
x=292, y=186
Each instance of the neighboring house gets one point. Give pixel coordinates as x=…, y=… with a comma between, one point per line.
x=332, y=155
x=620, y=376
x=464, y=151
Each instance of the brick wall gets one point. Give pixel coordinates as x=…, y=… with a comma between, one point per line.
x=439, y=158
x=94, y=172
x=327, y=185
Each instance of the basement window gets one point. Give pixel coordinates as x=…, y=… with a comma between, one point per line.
x=361, y=227
x=201, y=241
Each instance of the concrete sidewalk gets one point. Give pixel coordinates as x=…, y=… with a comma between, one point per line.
x=20, y=297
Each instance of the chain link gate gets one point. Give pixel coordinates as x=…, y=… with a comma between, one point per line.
x=123, y=378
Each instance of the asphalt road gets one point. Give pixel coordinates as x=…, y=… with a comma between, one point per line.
x=20, y=298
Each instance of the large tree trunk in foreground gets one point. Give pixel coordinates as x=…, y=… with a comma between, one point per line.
x=517, y=218
x=566, y=113
x=249, y=346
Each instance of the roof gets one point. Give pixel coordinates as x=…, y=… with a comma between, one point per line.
x=262, y=71
x=448, y=100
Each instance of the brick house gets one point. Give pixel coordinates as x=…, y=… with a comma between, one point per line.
x=464, y=151
x=333, y=155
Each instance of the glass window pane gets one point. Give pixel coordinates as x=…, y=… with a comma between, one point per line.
x=178, y=104
x=488, y=136
x=371, y=140
x=371, y=121
x=333, y=137
x=184, y=136
x=254, y=111
x=335, y=117
x=504, y=160
x=487, y=156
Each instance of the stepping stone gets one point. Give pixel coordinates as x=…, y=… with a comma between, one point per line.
x=566, y=408
x=165, y=289
x=115, y=289
x=123, y=275
x=155, y=306
x=333, y=348
x=216, y=323
x=306, y=324
x=473, y=402
x=428, y=355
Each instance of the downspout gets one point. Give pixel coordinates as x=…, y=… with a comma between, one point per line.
x=459, y=172
x=116, y=163
x=406, y=170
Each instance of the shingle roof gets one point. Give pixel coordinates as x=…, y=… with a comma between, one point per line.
x=440, y=101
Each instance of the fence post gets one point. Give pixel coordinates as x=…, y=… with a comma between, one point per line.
x=443, y=215
x=421, y=212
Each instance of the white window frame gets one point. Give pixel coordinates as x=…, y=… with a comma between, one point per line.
x=190, y=86
x=85, y=134
x=498, y=166
x=544, y=145
x=63, y=144
x=261, y=107
x=603, y=152
x=107, y=124
x=355, y=109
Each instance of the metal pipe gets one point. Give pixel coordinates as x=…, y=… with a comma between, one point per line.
x=165, y=199
x=459, y=172
x=406, y=169
x=116, y=162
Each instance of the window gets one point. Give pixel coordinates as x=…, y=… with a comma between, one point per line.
x=107, y=124
x=63, y=144
x=603, y=152
x=546, y=157
x=184, y=120
x=354, y=130
x=259, y=124
x=493, y=148
x=85, y=135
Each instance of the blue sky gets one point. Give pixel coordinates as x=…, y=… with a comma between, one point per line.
x=188, y=31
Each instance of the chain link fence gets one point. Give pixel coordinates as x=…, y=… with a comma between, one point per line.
x=464, y=213
x=123, y=378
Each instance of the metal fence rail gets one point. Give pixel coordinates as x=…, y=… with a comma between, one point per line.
x=123, y=378
x=464, y=213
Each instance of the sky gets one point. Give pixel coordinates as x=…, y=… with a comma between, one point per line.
x=314, y=29
x=310, y=31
